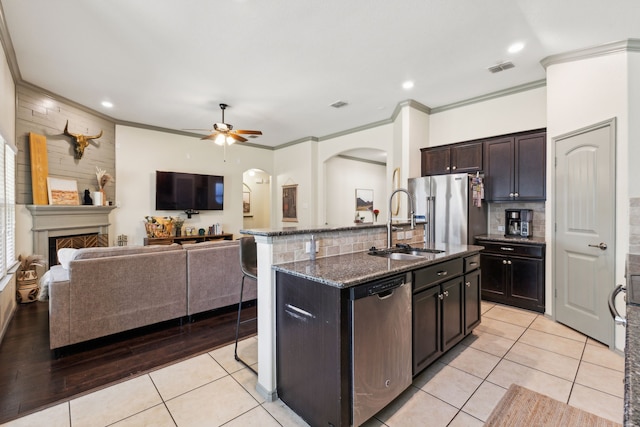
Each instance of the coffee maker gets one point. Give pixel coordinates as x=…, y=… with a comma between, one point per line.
x=518, y=222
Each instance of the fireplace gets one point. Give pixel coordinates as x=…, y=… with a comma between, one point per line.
x=53, y=221
x=75, y=241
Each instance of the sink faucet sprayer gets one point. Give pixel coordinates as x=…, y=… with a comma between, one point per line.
x=412, y=218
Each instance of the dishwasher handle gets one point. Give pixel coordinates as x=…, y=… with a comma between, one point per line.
x=619, y=320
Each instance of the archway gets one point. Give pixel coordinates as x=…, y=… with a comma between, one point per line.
x=352, y=174
x=256, y=199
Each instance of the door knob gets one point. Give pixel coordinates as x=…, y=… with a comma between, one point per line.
x=601, y=245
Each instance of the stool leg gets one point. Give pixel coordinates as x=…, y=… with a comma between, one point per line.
x=235, y=350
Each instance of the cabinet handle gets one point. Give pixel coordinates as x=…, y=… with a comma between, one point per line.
x=516, y=194
x=454, y=168
x=504, y=261
x=446, y=293
x=509, y=262
x=448, y=168
x=473, y=263
x=442, y=273
x=505, y=248
x=511, y=195
x=468, y=284
x=440, y=296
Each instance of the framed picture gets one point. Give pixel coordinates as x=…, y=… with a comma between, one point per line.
x=246, y=203
x=364, y=200
x=290, y=203
x=62, y=191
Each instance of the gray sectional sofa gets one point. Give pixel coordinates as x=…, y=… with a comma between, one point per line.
x=103, y=291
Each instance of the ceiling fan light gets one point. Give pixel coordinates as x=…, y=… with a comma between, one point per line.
x=230, y=140
x=219, y=139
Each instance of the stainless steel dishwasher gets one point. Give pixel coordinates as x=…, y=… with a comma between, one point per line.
x=381, y=344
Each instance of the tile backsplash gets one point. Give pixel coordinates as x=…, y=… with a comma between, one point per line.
x=496, y=216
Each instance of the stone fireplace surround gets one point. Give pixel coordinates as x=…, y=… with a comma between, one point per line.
x=60, y=220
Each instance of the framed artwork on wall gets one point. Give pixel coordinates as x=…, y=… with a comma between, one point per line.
x=290, y=203
x=62, y=191
x=246, y=201
x=364, y=200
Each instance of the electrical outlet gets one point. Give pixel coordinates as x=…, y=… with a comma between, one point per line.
x=400, y=235
x=408, y=235
x=501, y=228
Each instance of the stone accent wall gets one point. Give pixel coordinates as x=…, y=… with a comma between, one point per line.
x=292, y=248
x=496, y=216
x=40, y=113
x=634, y=225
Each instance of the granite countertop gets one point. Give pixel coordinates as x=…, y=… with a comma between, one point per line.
x=632, y=352
x=288, y=231
x=344, y=271
x=521, y=240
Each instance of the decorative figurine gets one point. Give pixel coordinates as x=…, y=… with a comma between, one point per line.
x=81, y=141
x=87, y=198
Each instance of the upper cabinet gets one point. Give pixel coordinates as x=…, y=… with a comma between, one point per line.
x=516, y=167
x=454, y=158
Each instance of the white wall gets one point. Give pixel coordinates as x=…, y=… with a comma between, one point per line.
x=343, y=177
x=7, y=101
x=296, y=165
x=512, y=113
x=582, y=93
x=140, y=152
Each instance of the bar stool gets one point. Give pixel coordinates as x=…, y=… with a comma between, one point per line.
x=249, y=267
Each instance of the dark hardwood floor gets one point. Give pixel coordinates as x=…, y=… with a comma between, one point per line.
x=33, y=377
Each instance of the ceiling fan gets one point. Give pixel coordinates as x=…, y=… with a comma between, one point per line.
x=224, y=133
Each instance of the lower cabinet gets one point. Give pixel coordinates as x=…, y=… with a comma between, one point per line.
x=444, y=312
x=513, y=274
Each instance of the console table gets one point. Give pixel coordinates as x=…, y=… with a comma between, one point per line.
x=186, y=239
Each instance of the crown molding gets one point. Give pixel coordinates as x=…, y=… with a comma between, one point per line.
x=629, y=45
x=493, y=95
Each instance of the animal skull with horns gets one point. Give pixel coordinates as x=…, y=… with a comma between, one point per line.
x=81, y=141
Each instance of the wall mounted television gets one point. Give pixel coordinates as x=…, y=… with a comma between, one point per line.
x=189, y=192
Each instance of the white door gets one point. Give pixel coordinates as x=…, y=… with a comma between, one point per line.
x=585, y=226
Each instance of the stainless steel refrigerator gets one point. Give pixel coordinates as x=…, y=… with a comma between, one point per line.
x=445, y=205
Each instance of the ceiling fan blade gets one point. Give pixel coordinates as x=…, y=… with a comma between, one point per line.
x=248, y=132
x=212, y=136
x=237, y=137
x=202, y=130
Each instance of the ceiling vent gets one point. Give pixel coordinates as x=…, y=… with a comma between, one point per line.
x=501, y=67
x=338, y=104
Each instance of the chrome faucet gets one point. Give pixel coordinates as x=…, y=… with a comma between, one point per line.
x=412, y=219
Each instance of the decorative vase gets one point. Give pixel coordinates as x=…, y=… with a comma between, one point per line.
x=104, y=197
x=27, y=289
x=178, y=231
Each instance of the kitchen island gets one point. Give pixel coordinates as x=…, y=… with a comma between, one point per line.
x=342, y=263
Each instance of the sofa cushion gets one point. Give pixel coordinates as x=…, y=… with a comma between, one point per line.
x=210, y=244
x=90, y=253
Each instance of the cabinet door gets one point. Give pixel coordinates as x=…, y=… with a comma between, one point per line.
x=466, y=157
x=494, y=277
x=426, y=328
x=530, y=166
x=499, y=171
x=471, y=300
x=452, y=312
x=527, y=283
x=436, y=161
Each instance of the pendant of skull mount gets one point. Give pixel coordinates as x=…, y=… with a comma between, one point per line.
x=80, y=141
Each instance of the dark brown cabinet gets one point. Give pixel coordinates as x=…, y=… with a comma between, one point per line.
x=453, y=158
x=446, y=307
x=516, y=167
x=513, y=274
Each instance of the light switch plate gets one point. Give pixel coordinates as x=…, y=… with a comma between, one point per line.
x=307, y=247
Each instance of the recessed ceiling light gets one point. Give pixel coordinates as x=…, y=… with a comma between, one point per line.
x=107, y=104
x=516, y=47
x=407, y=85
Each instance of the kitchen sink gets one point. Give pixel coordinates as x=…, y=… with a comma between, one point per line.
x=404, y=253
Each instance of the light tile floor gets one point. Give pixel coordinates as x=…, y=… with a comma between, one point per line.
x=460, y=389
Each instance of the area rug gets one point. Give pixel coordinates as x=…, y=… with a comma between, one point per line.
x=523, y=407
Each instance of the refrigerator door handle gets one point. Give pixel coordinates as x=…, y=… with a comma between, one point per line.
x=432, y=219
